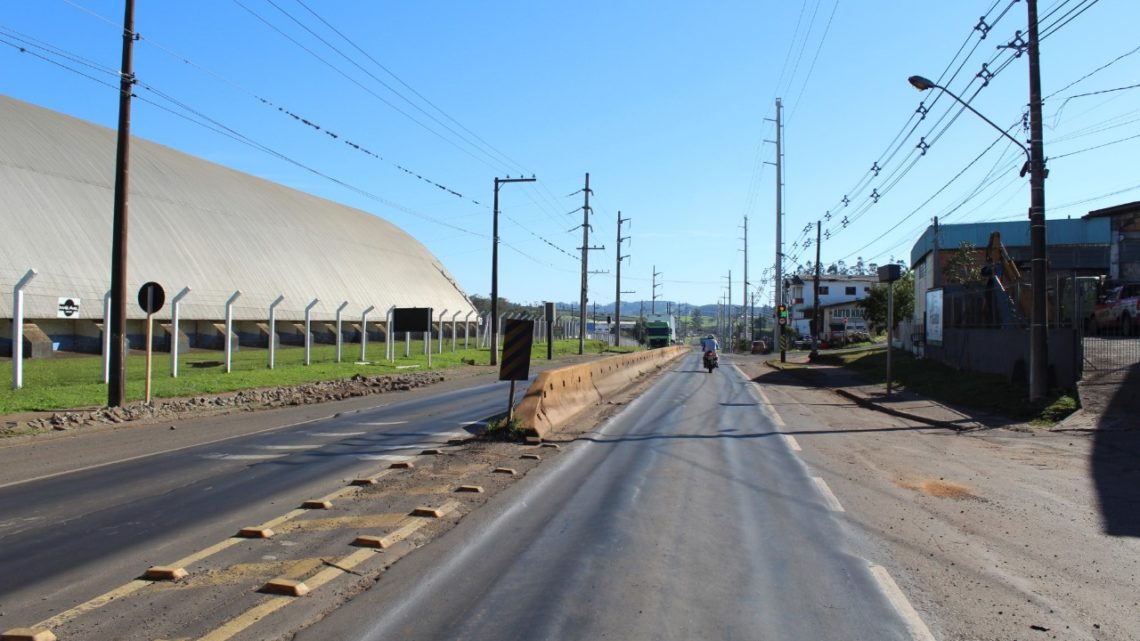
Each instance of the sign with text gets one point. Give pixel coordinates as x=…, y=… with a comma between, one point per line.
x=934, y=317
x=68, y=308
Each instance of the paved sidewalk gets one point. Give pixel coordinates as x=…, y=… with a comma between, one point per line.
x=904, y=403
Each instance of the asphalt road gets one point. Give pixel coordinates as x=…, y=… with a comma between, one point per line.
x=686, y=516
x=79, y=532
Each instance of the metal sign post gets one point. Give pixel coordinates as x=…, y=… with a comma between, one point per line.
x=151, y=299
x=516, y=357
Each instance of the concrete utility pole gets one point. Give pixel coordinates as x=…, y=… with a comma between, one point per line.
x=730, y=316
x=585, y=266
x=495, y=267
x=117, y=385
x=1038, y=339
x=617, y=289
x=815, y=320
x=744, y=285
x=778, y=293
x=653, y=303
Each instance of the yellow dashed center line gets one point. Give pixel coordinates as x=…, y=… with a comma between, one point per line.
x=93, y=604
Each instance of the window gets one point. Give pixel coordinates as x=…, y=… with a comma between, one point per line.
x=866, y=290
x=849, y=291
x=823, y=290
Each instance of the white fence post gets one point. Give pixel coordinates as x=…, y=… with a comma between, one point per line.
x=107, y=337
x=453, y=327
x=467, y=328
x=441, y=315
x=338, y=333
x=175, y=304
x=364, y=331
x=230, y=328
x=273, y=330
x=309, y=331
x=389, y=345
x=18, y=329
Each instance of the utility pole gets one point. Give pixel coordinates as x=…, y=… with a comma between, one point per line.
x=653, y=303
x=1038, y=339
x=117, y=384
x=779, y=219
x=617, y=291
x=730, y=316
x=744, y=286
x=495, y=266
x=815, y=320
x=585, y=265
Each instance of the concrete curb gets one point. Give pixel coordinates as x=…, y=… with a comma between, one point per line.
x=863, y=402
x=869, y=404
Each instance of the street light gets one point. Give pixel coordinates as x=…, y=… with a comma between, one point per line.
x=495, y=266
x=922, y=84
x=1035, y=166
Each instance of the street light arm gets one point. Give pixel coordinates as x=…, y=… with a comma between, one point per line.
x=922, y=84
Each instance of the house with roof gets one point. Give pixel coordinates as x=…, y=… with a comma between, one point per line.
x=1124, y=240
x=838, y=297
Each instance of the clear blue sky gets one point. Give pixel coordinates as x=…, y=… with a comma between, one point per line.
x=667, y=105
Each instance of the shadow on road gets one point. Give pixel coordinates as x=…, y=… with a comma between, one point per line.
x=1115, y=460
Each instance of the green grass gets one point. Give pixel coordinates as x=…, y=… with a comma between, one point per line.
x=988, y=392
x=75, y=381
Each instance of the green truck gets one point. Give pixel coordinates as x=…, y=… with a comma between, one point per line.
x=659, y=330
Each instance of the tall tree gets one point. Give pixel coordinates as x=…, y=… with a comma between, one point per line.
x=963, y=268
x=875, y=304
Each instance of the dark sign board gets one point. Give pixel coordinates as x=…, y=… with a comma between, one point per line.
x=411, y=319
x=889, y=273
x=517, y=339
x=151, y=297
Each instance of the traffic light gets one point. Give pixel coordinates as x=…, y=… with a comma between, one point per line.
x=782, y=314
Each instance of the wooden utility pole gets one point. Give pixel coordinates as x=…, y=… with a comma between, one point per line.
x=744, y=285
x=117, y=385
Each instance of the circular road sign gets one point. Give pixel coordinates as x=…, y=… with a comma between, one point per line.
x=151, y=297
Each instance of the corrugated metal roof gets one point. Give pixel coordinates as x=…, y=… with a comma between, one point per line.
x=1058, y=232
x=193, y=224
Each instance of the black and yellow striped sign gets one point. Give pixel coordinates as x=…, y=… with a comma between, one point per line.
x=515, y=365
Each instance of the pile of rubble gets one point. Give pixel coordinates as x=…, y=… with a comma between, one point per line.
x=248, y=400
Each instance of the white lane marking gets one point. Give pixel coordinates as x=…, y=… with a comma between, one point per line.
x=914, y=623
x=383, y=457
x=160, y=452
x=456, y=434
x=475, y=423
x=779, y=420
x=289, y=447
x=335, y=434
x=827, y=494
x=383, y=423
x=225, y=456
x=792, y=442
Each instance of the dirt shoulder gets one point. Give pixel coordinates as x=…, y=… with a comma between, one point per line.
x=993, y=532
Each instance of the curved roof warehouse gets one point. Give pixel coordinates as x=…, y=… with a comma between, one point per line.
x=192, y=224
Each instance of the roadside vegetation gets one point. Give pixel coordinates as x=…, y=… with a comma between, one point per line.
x=75, y=381
x=987, y=392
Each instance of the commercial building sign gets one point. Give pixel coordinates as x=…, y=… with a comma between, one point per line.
x=934, y=317
x=68, y=308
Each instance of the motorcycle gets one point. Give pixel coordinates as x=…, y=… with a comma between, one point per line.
x=710, y=361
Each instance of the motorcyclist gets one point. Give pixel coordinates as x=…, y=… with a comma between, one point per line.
x=709, y=344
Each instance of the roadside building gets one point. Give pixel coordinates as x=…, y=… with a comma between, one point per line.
x=838, y=295
x=1124, y=240
x=193, y=224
